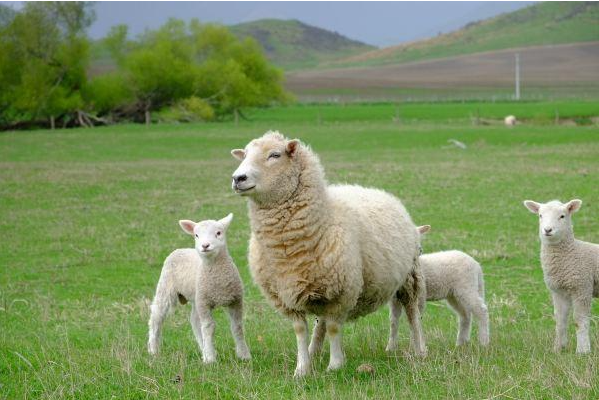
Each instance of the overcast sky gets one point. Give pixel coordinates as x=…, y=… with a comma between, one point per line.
x=378, y=23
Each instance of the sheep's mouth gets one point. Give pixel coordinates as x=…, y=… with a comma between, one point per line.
x=548, y=235
x=242, y=190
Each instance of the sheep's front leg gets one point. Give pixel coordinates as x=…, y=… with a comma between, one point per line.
x=394, y=314
x=582, y=312
x=318, y=334
x=236, y=319
x=208, y=325
x=333, y=328
x=561, y=311
x=158, y=312
x=300, y=326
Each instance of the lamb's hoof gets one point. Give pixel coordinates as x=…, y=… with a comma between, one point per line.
x=422, y=353
x=583, y=350
x=301, y=371
x=391, y=347
x=244, y=355
x=558, y=348
x=335, y=365
x=209, y=360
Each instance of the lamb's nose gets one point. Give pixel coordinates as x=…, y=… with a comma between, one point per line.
x=548, y=230
x=205, y=245
x=240, y=178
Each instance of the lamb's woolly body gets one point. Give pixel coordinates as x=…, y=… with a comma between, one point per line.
x=458, y=278
x=338, y=252
x=207, y=284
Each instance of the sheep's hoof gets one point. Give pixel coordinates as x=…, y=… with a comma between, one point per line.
x=209, y=360
x=335, y=365
x=391, y=347
x=583, y=350
x=301, y=371
x=244, y=354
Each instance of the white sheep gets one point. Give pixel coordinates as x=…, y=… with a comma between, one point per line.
x=510, y=120
x=337, y=252
x=456, y=277
x=570, y=268
x=207, y=277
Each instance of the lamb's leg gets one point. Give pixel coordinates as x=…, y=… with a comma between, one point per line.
x=300, y=326
x=465, y=320
x=481, y=313
x=333, y=328
x=561, y=311
x=158, y=311
x=582, y=312
x=394, y=314
x=318, y=334
x=413, y=314
x=208, y=325
x=236, y=319
x=196, y=326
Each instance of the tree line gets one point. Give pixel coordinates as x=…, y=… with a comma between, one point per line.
x=178, y=72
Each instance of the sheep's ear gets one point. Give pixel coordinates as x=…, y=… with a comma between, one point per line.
x=573, y=205
x=424, y=229
x=238, y=154
x=292, y=147
x=187, y=226
x=227, y=220
x=533, y=206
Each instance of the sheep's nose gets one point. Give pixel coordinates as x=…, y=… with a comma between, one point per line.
x=548, y=230
x=205, y=245
x=240, y=178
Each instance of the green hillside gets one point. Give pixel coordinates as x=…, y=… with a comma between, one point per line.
x=545, y=23
x=291, y=44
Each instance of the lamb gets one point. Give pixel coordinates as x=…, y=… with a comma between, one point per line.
x=510, y=120
x=208, y=278
x=570, y=269
x=456, y=277
x=338, y=252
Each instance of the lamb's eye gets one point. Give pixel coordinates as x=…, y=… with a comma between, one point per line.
x=218, y=233
x=197, y=235
x=562, y=216
x=540, y=216
x=274, y=155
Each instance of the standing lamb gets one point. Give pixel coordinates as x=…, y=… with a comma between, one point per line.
x=208, y=278
x=456, y=277
x=570, y=269
x=338, y=252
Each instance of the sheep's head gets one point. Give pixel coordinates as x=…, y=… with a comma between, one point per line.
x=269, y=169
x=210, y=235
x=555, y=219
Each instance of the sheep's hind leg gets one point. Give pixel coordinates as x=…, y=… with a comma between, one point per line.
x=236, y=319
x=337, y=358
x=196, y=326
x=465, y=320
x=300, y=326
x=413, y=314
x=394, y=314
x=318, y=334
x=158, y=311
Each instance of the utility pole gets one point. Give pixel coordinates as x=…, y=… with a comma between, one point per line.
x=517, y=96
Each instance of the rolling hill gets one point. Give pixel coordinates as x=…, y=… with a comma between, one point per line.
x=547, y=23
x=292, y=44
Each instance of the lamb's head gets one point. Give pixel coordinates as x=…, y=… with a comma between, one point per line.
x=555, y=219
x=269, y=169
x=210, y=235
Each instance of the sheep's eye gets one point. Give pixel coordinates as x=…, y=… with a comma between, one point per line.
x=218, y=233
x=562, y=216
x=540, y=216
x=274, y=155
x=197, y=235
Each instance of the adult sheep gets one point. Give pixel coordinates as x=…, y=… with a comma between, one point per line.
x=338, y=252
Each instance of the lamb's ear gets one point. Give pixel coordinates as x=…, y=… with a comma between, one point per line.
x=424, y=229
x=187, y=226
x=292, y=147
x=533, y=206
x=227, y=220
x=238, y=154
x=573, y=205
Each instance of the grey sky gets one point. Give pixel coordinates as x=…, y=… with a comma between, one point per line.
x=378, y=23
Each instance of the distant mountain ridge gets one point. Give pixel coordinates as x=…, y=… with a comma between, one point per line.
x=546, y=23
x=292, y=44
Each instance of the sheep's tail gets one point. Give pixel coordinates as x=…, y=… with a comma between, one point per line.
x=481, y=283
x=414, y=288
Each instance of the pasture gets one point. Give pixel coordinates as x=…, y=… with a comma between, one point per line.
x=87, y=217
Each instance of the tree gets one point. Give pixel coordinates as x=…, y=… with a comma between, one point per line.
x=45, y=54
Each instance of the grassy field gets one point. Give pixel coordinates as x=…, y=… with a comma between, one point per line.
x=88, y=216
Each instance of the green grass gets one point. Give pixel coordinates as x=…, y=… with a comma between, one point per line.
x=545, y=23
x=88, y=216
